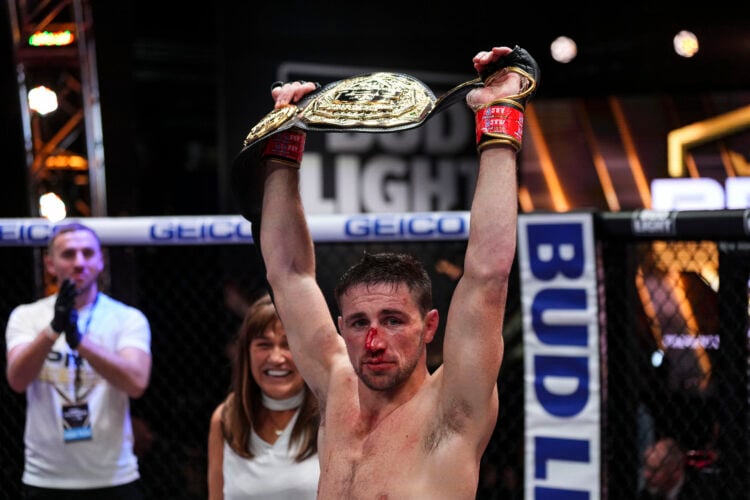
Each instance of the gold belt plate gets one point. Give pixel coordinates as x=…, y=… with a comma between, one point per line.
x=271, y=122
x=378, y=100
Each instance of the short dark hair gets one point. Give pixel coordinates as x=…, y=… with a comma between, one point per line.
x=388, y=268
x=69, y=227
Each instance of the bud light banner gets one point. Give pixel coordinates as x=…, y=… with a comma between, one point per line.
x=561, y=356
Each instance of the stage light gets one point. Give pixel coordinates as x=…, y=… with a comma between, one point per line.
x=52, y=207
x=563, y=49
x=685, y=43
x=657, y=358
x=51, y=38
x=66, y=162
x=42, y=100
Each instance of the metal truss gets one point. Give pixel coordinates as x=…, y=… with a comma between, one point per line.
x=64, y=150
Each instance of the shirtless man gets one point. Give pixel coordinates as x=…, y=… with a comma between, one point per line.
x=390, y=428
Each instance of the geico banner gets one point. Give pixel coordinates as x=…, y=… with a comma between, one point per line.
x=234, y=229
x=561, y=351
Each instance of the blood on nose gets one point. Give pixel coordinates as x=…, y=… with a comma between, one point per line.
x=370, y=337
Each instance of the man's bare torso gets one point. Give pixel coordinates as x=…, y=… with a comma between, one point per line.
x=421, y=449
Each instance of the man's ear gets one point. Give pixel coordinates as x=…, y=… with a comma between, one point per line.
x=431, y=322
x=340, y=322
x=48, y=265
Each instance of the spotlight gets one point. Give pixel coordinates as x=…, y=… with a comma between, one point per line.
x=42, y=100
x=51, y=38
x=563, y=49
x=52, y=207
x=657, y=358
x=685, y=43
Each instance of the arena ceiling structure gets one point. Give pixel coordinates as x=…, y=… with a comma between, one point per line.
x=624, y=47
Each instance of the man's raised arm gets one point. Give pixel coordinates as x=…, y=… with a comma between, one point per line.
x=473, y=344
x=288, y=252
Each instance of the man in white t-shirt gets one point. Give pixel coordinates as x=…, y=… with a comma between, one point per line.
x=80, y=356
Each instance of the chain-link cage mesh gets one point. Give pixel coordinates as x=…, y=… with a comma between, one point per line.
x=194, y=297
x=674, y=355
x=675, y=364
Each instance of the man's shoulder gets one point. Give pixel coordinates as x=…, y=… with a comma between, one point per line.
x=113, y=303
x=32, y=307
x=122, y=313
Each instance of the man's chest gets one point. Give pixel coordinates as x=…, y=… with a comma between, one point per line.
x=404, y=448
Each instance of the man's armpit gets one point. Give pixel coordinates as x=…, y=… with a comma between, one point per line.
x=453, y=420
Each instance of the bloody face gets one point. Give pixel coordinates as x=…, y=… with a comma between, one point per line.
x=384, y=333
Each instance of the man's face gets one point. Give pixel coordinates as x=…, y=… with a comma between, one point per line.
x=385, y=333
x=272, y=365
x=78, y=256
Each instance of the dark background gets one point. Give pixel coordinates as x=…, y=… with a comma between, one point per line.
x=181, y=84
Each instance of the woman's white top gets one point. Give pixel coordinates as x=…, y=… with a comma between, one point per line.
x=272, y=474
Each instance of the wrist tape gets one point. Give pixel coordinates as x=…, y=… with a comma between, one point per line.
x=287, y=146
x=501, y=122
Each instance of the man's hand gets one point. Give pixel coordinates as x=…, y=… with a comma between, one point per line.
x=64, y=305
x=288, y=146
x=284, y=94
x=72, y=335
x=506, y=72
x=510, y=78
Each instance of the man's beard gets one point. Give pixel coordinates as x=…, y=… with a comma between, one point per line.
x=385, y=382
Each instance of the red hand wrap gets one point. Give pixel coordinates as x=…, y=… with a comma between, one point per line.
x=288, y=145
x=500, y=123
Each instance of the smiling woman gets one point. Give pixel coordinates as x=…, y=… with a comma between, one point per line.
x=262, y=439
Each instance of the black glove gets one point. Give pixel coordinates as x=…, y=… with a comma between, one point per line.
x=521, y=62
x=64, y=305
x=72, y=335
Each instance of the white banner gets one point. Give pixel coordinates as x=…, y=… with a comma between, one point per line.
x=561, y=350
x=235, y=229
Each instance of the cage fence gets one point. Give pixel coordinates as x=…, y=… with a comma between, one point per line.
x=674, y=354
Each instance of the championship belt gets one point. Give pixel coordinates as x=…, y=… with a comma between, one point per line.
x=373, y=102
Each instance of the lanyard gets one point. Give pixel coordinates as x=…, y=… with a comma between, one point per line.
x=78, y=359
x=91, y=315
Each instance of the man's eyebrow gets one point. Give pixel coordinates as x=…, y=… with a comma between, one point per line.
x=82, y=249
x=355, y=315
x=392, y=311
x=382, y=312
